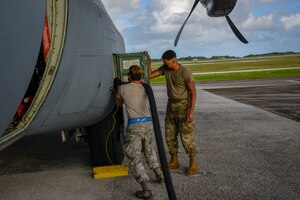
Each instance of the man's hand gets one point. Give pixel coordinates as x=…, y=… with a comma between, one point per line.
x=190, y=118
x=148, y=56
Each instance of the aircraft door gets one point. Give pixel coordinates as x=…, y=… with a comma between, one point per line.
x=21, y=24
x=122, y=63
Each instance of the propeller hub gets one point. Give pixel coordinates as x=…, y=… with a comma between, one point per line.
x=219, y=8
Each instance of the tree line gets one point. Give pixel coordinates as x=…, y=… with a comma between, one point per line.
x=191, y=58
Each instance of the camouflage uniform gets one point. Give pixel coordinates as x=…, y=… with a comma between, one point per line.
x=139, y=130
x=178, y=109
x=175, y=122
x=139, y=139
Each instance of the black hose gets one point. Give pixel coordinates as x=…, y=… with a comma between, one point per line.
x=159, y=142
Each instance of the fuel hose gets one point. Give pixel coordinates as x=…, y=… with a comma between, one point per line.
x=159, y=142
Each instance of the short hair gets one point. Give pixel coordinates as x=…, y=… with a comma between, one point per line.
x=168, y=55
x=135, y=72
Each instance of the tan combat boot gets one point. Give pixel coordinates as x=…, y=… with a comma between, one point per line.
x=174, y=163
x=193, y=168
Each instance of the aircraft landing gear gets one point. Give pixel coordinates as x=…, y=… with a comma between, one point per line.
x=106, y=139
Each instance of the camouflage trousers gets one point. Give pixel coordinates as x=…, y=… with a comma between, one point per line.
x=138, y=139
x=175, y=124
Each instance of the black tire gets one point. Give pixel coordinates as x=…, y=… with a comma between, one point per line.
x=112, y=153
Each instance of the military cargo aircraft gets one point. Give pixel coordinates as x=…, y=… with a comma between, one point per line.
x=57, y=73
x=58, y=63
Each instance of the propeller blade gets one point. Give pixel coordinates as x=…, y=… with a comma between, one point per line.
x=179, y=32
x=235, y=30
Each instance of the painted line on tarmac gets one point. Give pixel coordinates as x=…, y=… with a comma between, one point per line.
x=239, y=71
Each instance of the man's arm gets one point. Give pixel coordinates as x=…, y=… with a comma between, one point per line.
x=193, y=95
x=155, y=73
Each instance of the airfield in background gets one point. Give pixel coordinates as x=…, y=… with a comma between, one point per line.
x=276, y=65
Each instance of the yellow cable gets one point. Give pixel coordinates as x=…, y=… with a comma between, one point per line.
x=106, y=143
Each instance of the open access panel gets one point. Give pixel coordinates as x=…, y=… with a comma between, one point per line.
x=122, y=62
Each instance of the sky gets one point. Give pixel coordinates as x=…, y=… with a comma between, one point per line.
x=152, y=25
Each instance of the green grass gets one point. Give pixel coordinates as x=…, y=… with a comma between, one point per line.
x=267, y=62
x=249, y=75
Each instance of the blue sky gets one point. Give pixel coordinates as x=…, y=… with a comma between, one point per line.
x=152, y=25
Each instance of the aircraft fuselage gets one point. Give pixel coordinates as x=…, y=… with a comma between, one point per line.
x=76, y=86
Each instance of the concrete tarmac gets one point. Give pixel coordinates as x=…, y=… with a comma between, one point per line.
x=245, y=152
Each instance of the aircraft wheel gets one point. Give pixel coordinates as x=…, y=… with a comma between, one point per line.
x=106, y=139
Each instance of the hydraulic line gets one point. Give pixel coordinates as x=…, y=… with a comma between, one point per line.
x=159, y=142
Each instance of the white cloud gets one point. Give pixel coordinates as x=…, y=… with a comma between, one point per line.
x=291, y=22
x=176, y=6
x=269, y=2
x=263, y=22
x=167, y=13
x=118, y=7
